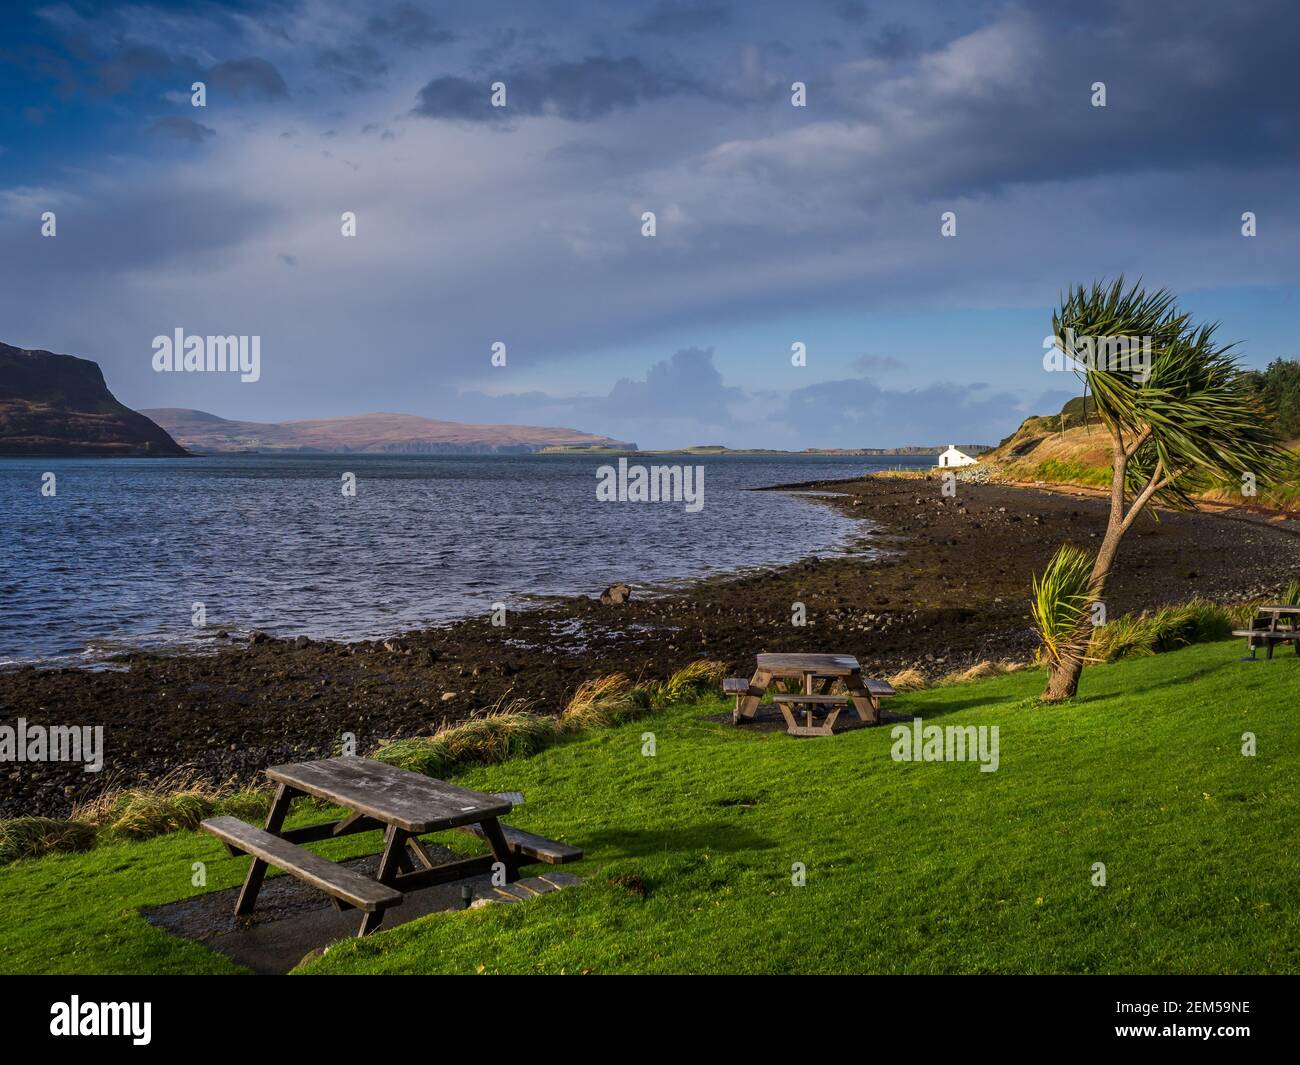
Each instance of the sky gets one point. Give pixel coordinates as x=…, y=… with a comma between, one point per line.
x=775, y=225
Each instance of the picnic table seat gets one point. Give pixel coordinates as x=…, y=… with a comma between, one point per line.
x=1262, y=636
x=338, y=881
x=530, y=845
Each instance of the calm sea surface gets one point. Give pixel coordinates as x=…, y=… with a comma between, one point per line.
x=119, y=557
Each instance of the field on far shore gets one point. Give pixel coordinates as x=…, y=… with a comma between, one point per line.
x=910, y=866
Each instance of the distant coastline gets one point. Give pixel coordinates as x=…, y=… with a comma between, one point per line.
x=719, y=449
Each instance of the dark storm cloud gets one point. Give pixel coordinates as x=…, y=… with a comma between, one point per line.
x=251, y=76
x=181, y=128
x=355, y=67
x=409, y=26
x=677, y=18
x=580, y=91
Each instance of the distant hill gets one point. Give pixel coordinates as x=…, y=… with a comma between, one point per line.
x=59, y=406
x=398, y=434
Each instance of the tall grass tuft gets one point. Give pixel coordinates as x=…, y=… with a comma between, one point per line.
x=602, y=702
x=505, y=732
x=1166, y=629
x=908, y=680
x=31, y=837
x=979, y=671
x=177, y=800
x=701, y=677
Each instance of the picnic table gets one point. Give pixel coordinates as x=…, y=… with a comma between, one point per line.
x=1267, y=629
x=405, y=806
x=815, y=671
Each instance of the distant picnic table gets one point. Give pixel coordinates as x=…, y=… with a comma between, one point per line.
x=405, y=805
x=1268, y=629
x=814, y=671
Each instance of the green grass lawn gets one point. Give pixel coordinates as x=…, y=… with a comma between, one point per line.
x=911, y=867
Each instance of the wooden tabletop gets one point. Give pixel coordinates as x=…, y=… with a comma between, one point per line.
x=410, y=801
x=1281, y=608
x=830, y=665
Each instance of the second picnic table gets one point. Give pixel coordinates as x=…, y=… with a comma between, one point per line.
x=1267, y=628
x=814, y=671
x=405, y=805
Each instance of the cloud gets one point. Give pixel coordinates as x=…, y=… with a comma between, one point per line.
x=181, y=128
x=579, y=91
x=686, y=385
x=869, y=363
x=408, y=26
x=858, y=413
x=249, y=76
x=675, y=18
x=356, y=67
x=854, y=12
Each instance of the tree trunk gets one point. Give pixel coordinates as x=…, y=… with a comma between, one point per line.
x=1063, y=676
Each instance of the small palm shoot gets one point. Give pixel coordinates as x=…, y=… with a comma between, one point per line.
x=1060, y=604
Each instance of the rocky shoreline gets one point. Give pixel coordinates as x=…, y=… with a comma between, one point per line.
x=946, y=586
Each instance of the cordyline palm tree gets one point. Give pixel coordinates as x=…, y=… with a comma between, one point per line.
x=1186, y=419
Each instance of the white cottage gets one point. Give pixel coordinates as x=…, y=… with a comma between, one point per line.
x=953, y=457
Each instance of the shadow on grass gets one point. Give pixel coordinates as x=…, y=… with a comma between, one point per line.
x=718, y=837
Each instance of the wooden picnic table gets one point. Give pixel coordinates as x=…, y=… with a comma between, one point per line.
x=1267, y=628
x=815, y=671
x=404, y=805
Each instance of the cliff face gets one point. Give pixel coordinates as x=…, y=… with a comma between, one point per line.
x=59, y=406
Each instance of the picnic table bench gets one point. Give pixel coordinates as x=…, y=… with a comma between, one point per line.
x=405, y=805
x=1267, y=629
x=815, y=671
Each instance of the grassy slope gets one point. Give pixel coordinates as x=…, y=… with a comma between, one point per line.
x=1081, y=456
x=911, y=867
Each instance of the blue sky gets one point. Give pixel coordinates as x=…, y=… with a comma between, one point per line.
x=775, y=224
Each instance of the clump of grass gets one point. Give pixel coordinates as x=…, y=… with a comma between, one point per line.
x=177, y=800
x=602, y=702
x=908, y=680
x=1128, y=636
x=140, y=814
x=699, y=678
x=248, y=804
x=1291, y=597
x=1166, y=629
x=32, y=837
x=503, y=733
x=978, y=671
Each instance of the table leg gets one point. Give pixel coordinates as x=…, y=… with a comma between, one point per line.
x=500, y=848
x=257, y=871
x=421, y=852
x=747, y=707
x=865, y=704
x=389, y=862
